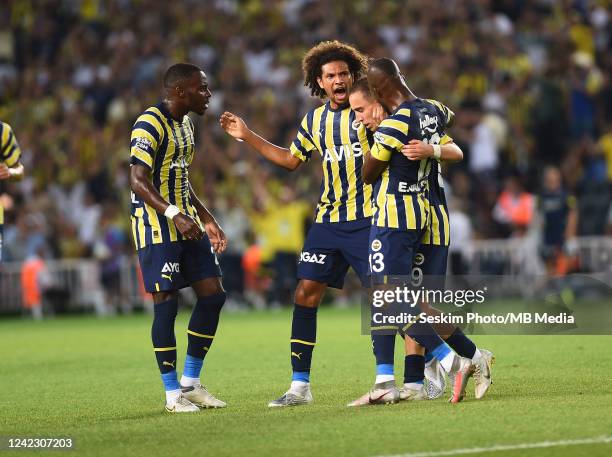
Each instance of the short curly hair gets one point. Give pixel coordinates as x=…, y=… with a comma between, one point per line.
x=328, y=51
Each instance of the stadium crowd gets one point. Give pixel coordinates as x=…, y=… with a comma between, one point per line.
x=529, y=82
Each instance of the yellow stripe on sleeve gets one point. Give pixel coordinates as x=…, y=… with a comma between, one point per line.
x=14, y=157
x=388, y=140
x=142, y=156
x=6, y=132
x=152, y=120
x=446, y=139
x=402, y=112
x=400, y=126
x=380, y=152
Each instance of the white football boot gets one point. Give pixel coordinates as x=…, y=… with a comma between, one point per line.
x=199, y=396
x=293, y=397
x=409, y=394
x=482, y=374
x=435, y=378
x=459, y=375
x=182, y=405
x=383, y=393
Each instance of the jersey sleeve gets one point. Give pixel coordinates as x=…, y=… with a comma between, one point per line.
x=444, y=111
x=388, y=139
x=303, y=144
x=10, y=153
x=448, y=117
x=146, y=137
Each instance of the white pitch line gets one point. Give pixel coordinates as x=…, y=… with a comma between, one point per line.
x=507, y=447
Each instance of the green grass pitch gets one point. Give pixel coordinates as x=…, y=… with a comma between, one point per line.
x=96, y=380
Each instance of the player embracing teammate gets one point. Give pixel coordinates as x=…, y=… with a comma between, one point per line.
x=410, y=230
x=341, y=234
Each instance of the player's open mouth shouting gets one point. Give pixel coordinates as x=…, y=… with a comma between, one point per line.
x=340, y=94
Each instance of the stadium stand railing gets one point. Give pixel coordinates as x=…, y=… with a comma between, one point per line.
x=75, y=284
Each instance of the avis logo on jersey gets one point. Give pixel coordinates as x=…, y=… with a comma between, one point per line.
x=344, y=151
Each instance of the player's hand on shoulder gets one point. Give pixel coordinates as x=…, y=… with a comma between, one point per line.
x=233, y=125
x=216, y=235
x=417, y=150
x=188, y=227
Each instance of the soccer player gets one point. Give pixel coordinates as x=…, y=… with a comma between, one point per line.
x=401, y=213
x=431, y=259
x=175, y=235
x=339, y=237
x=560, y=220
x=10, y=166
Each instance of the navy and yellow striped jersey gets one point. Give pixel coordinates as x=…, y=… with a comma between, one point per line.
x=400, y=194
x=342, y=142
x=166, y=147
x=10, y=153
x=437, y=231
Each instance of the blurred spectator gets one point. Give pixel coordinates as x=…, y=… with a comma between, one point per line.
x=461, y=236
x=592, y=190
x=35, y=282
x=514, y=208
x=285, y=227
x=558, y=210
x=484, y=148
x=110, y=249
x=235, y=223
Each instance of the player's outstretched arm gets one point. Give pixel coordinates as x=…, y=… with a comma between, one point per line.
x=418, y=150
x=215, y=233
x=236, y=127
x=141, y=185
x=15, y=173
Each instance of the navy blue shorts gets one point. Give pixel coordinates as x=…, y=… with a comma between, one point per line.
x=429, y=266
x=172, y=266
x=432, y=259
x=1, y=232
x=392, y=251
x=329, y=250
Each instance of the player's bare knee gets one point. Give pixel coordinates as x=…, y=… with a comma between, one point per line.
x=309, y=293
x=207, y=287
